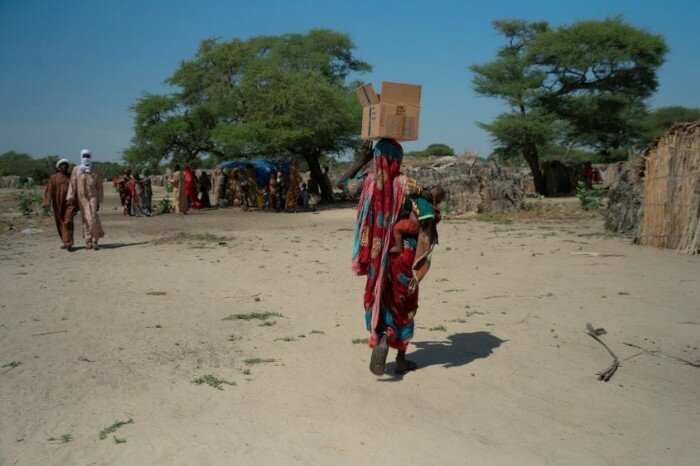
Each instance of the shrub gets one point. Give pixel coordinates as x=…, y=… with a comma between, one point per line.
x=28, y=200
x=163, y=206
x=590, y=199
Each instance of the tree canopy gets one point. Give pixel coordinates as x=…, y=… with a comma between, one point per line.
x=25, y=166
x=656, y=122
x=583, y=85
x=286, y=95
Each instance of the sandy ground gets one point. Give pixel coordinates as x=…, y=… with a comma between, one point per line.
x=507, y=373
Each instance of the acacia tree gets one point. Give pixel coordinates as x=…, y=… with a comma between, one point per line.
x=285, y=95
x=583, y=84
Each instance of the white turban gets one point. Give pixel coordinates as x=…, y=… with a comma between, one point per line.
x=61, y=162
x=85, y=161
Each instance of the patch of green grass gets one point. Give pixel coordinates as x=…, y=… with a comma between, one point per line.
x=439, y=328
x=318, y=332
x=359, y=341
x=253, y=316
x=65, y=438
x=119, y=440
x=246, y=371
x=439, y=280
x=212, y=381
x=233, y=337
x=252, y=361
x=268, y=323
x=473, y=313
x=286, y=339
x=623, y=293
x=12, y=364
x=84, y=359
x=113, y=428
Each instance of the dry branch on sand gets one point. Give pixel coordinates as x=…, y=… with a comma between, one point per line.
x=607, y=374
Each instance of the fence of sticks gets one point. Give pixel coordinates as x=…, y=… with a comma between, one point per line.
x=671, y=199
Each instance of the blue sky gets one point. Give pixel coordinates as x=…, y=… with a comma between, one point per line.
x=70, y=69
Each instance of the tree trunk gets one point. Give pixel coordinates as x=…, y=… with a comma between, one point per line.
x=317, y=174
x=533, y=161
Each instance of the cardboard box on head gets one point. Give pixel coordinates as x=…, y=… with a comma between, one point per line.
x=393, y=114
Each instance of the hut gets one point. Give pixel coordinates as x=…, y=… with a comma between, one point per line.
x=656, y=198
x=671, y=202
x=561, y=178
x=10, y=181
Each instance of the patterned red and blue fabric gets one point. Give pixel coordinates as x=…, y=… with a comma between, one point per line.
x=381, y=199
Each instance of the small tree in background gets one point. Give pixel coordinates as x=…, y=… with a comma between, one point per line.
x=435, y=150
x=658, y=121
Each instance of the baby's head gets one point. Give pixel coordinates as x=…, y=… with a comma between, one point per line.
x=438, y=194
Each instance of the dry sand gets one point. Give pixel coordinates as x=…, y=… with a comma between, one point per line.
x=510, y=380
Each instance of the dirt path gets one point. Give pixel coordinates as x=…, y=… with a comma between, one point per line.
x=507, y=372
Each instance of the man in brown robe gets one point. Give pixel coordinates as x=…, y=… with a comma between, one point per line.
x=86, y=189
x=63, y=211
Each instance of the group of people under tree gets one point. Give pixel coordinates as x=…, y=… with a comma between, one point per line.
x=284, y=190
x=135, y=193
x=80, y=191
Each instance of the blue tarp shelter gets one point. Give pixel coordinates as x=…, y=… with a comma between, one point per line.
x=263, y=167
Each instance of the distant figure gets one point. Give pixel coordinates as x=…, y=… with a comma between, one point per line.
x=238, y=186
x=204, y=187
x=216, y=182
x=136, y=191
x=252, y=188
x=281, y=190
x=272, y=192
x=56, y=197
x=191, y=188
x=293, y=189
x=86, y=189
x=147, y=192
x=590, y=174
x=177, y=181
x=124, y=193
x=304, y=196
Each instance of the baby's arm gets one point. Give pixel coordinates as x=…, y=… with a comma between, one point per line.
x=398, y=242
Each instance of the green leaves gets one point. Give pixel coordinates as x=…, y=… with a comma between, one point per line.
x=282, y=95
x=582, y=85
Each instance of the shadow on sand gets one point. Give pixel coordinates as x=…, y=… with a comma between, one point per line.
x=461, y=349
x=113, y=245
